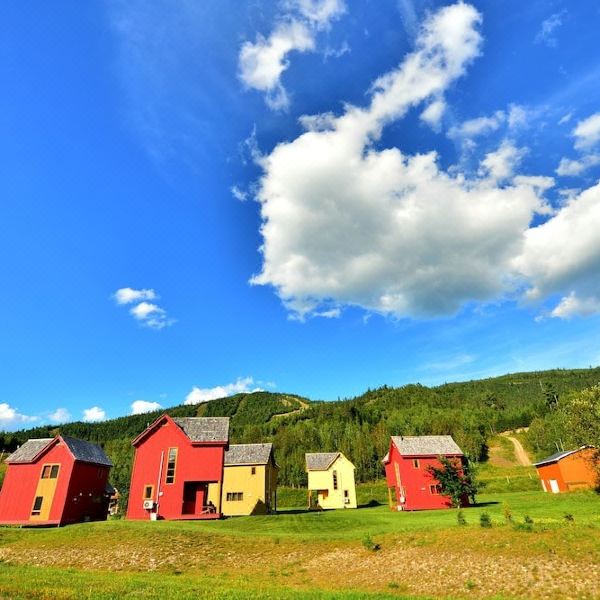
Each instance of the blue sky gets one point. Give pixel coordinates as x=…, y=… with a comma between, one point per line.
x=308, y=196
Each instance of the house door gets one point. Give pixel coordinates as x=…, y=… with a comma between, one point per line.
x=554, y=486
x=194, y=495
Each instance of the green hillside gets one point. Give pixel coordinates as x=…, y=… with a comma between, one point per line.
x=360, y=427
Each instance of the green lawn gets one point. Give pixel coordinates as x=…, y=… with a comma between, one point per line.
x=297, y=554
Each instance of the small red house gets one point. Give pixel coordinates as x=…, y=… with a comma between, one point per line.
x=410, y=484
x=55, y=481
x=178, y=469
x=571, y=470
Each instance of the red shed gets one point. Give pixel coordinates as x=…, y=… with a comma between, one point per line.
x=55, y=481
x=178, y=469
x=410, y=484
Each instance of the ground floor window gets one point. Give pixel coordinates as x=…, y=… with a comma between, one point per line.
x=235, y=496
x=37, y=505
x=148, y=492
x=435, y=489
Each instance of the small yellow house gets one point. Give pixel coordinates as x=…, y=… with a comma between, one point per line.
x=331, y=477
x=249, y=480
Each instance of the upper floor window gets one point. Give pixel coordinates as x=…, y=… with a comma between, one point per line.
x=171, y=465
x=50, y=471
x=416, y=463
x=253, y=471
x=335, y=480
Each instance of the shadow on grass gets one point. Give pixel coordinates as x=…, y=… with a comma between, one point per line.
x=482, y=504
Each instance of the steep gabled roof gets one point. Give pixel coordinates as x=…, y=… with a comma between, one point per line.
x=558, y=456
x=320, y=461
x=248, y=454
x=28, y=451
x=86, y=451
x=426, y=445
x=205, y=429
x=81, y=450
x=196, y=429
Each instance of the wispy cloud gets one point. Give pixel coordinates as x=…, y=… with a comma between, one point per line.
x=60, y=415
x=241, y=385
x=547, y=33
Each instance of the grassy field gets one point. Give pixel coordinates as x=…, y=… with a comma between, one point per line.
x=548, y=548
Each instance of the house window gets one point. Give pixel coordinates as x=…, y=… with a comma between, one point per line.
x=435, y=489
x=253, y=471
x=37, y=505
x=50, y=471
x=335, y=480
x=416, y=463
x=346, y=495
x=171, y=464
x=148, y=492
x=235, y=496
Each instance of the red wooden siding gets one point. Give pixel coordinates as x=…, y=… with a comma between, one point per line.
x=198, y=464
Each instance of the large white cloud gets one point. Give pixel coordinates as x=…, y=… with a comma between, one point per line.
x=562, y=256
x=240, y=386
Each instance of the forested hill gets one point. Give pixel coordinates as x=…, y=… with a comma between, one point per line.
x=360, y=427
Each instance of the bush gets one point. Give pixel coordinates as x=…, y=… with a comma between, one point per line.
x=460, y=518
x=369, y=544
x=508, y=517
x=569, y=518
x=485, y=520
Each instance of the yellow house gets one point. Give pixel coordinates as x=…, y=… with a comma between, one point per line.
x=249, y=480
x=331, y=476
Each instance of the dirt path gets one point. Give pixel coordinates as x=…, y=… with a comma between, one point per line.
x=520, y=453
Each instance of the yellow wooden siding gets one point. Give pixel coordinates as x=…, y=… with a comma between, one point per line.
x=258, y=490
x=322, y=482
x=45, y=489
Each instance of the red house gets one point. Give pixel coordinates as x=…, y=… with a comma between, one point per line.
x=410, y=484
x=55, y=481
x=178, y=469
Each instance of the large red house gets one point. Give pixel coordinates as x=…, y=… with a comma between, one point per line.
x=55, y=481
x=410, y=484
x=178, y=469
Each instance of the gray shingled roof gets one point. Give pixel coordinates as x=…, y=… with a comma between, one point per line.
x=320, y=461
x=82, y=451
x=28, y=451
x=205, y=429
x=248, y=454
x=426, y=445
x=87, y=452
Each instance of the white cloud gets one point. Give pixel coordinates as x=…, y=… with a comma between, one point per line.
x=240, y=386
x=239, y=194
x=587, y=132
x=571, y=306
x=433, y=113
x=344, y=223
x=319, y=12
x=563, y=254
x=262, y=63
x=143, y=406
x=129, y=295
x=501, y=164
x=546, y=34
x=479, y=126
x=94, y=414
x=60, y=415
x=565, y=119
x=10, y=417
x=569, y=167
x=148, y=314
